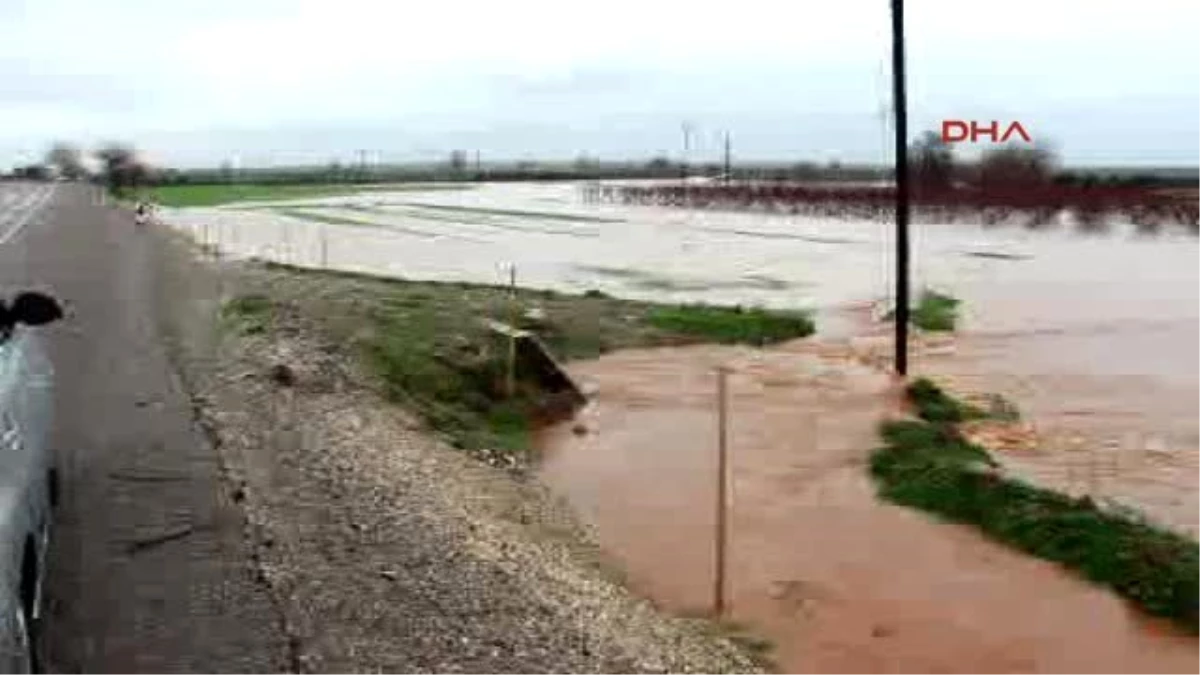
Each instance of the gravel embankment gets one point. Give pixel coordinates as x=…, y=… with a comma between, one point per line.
x=386, y=550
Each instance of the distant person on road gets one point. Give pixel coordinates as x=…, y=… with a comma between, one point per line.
x=143, y=213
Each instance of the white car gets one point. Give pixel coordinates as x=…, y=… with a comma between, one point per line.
x=28, y=477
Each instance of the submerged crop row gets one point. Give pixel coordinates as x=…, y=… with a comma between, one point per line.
x=1039, y=204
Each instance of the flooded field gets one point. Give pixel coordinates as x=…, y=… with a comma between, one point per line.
x=837, y=580
x=556, y=241
x=1095, y=338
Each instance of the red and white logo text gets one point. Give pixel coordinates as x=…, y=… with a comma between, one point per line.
x=970, y=131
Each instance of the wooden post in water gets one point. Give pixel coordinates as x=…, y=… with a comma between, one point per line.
x=511, y=381
x=324, y=248
x=1091, y=460
x=719, y=599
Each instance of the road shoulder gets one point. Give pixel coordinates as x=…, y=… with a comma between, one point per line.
x=384, y=548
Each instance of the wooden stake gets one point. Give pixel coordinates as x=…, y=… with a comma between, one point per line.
x=324, y=249
x=1091, y=472
x=719, y=600
x=511, y=382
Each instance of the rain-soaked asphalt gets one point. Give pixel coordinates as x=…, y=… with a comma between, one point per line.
x=147, y=569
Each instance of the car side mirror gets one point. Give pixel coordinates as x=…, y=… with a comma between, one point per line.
x=34, y=309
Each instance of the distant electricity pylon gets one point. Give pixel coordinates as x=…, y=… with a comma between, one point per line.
x=686, y=127
x=728, y=158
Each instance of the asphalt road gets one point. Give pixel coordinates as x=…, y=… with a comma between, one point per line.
x=148, y=570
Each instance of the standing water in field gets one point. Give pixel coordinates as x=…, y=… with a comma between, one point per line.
x=1093, y=338
x=838, y=581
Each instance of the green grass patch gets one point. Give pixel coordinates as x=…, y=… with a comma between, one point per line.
x=927, y=464
x=228, y=193
x=303, y=214
x=935, y=312
x=646, y=280
x=380, y=210
x=333, y=219
x=427, y=345
x=461, y=219
x=542, y=215
x=732, y=324
x=934, y=405
x=248, y=314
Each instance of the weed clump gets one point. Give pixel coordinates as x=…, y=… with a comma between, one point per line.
x=934, y=405
x=936, y=312
x=249, y=314
x=733, y=324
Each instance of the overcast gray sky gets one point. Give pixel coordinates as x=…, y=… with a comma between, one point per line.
x=195, y=82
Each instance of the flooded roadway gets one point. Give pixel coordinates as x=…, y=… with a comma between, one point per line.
x=1096, y=342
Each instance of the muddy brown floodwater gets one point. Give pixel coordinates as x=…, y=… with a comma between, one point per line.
x=839, y=581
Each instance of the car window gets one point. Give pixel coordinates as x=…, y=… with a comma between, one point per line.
x=9, y=364
x=13, y=652
x=9, y=430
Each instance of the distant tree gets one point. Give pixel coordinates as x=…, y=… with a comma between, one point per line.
x=227, y=171
x=659, y=164
x=458, y=161
x=32, y=172
x=931, y=161
x=586, y=164
x=122, y=167
x=1014, y=164
x=67, y=159
x=805, y=171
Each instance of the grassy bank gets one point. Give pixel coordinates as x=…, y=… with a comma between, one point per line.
x=430, y=350
x=927, y=464
x=215, y=195
x=935, y=312
x=732, y=325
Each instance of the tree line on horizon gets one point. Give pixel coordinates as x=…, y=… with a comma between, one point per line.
x=120, y=165
x=933, y=166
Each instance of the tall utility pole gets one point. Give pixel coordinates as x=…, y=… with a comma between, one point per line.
x=728, y=159
x=901, y=108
